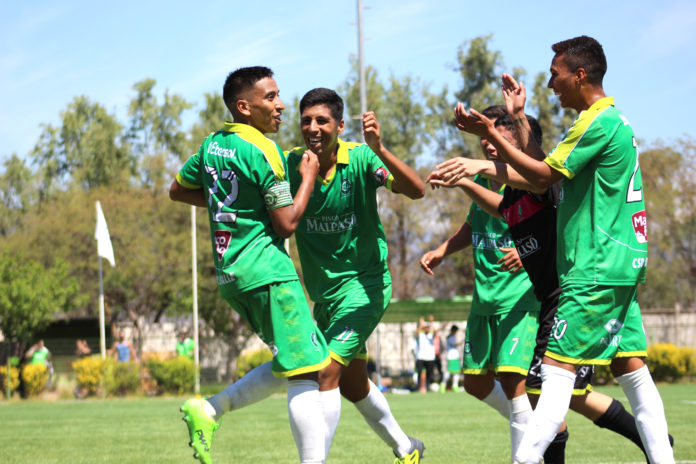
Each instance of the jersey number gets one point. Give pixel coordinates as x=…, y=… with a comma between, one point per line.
x=633, y=194
x=516, y=340
x=214, y=189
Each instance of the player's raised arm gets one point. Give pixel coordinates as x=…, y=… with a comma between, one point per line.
x=406, y=180
x=455, y=169
x=286, y=219
x=515, y=96
x=539, y=174
x=460, y=240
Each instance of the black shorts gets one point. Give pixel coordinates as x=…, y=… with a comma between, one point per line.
x=583, y=376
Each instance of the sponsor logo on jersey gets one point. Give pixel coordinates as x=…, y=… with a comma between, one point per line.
x=526, y=246
x=346, y=187
x=217, y=150
x=613, y=326
x=331, y=224
x=381, y=175
x=222, y=242
x=611, y=340
x=467, y=348
x=313, y=339
x=639, y=263
x=223, y=278
x=640, y=226
x=490, y=241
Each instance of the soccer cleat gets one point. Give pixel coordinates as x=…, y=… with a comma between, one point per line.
x=414, y=456
x=201, y=429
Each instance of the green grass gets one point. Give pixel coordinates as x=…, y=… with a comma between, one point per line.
x=443, y=310
x=455, y=427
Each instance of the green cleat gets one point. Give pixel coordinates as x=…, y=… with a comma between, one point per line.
x=201, y=428
x=415, y=455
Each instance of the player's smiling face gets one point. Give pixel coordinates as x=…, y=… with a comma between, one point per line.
x=265, y=105
x=563, y=82
x=320, y=130
x=487, y=148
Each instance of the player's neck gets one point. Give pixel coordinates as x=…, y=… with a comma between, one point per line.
x=327, y=164
x=589, y=96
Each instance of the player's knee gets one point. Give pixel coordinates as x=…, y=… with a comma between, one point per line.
x=476, y=388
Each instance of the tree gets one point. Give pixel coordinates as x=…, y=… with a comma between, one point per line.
x=16, y=194
x=155, y=133
x=87, y=149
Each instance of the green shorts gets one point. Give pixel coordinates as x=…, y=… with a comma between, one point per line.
x=500, y=343
x=280, y=316
x=454, y=366
x=349, y=320
x=596, y=323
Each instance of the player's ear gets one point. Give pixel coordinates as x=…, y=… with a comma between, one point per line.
x=243, y=107
x=341, y=126
x=580, y=76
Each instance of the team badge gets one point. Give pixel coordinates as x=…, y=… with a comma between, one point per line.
x=346, y=187
x=381, y=175
x=640, y=226
x=222, y=242
x=467, y=348
x=613, y=326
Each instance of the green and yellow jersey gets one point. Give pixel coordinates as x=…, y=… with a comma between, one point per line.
x=495, y=291
x=602, y=226
x=340, y=238
x=243, y=176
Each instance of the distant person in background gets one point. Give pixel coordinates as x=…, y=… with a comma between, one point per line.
x=425, y=360
x=454, y=360
x=184, y=347
x=82, y=349
x=123, y=350
x=39, y=354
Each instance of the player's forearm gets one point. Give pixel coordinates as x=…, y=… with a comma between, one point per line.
x=485, y=198
x=505, y=174
x=457, y=242
x=406, y=180
x=539, y=174
x=194, y=197
x=523, y=134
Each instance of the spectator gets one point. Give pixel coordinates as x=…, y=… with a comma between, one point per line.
x=123, y=350
x=184, y=347
x=82, y=349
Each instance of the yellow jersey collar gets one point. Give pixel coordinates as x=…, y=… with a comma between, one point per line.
x=342, y=153
x=601, y=104
x=240, y=128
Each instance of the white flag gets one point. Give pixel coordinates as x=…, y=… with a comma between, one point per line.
x=104, y=248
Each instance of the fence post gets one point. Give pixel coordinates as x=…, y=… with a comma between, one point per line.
x=677, y=313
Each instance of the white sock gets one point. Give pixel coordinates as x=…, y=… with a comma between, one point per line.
x=649, y=411
x=331, y=407
x=307, y=420
x=445, y=377
x=554, y=401
x=455, y=382
x=257, y=384
x=375, y=409
x=498, y=401
x=520, y=415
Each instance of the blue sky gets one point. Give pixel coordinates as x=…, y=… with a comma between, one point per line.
x=51, y=51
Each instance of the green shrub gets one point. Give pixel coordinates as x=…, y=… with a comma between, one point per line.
x=121, y=378
x=34, y=377
x=172, y=375
x=250, y=360
x=670, y=362
x=14, y=379
x=89, y=372
x=602, y=375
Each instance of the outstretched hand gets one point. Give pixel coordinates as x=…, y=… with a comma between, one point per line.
x=514, y=93
x=472, y=121
x=511, y=261
x=450, y=173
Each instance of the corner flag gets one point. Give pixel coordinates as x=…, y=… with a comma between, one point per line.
x=104, y=248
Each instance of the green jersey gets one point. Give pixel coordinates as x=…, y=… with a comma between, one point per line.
x=340, y=238
x=602, y=226
x=40, y=356
x=495, y=291
x=243, y=176
x=185, y=348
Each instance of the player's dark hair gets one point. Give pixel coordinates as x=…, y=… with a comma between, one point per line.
x=506, y=121
x=323, y=96
x=583, y=52
x=241, y=80
x=454, y=328
x=494, y=111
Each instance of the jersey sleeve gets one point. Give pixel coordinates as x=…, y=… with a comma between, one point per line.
x=582, y=144
x=379, y=174
x=190, y=174
x=273, y=180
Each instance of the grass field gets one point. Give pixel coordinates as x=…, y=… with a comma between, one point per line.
x=455, y=427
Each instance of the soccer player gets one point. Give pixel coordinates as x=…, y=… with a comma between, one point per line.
x=531, y=218
x=454, y=363
x=240, y=176
x=343, y=253
x=601, y=249
x=504, y=312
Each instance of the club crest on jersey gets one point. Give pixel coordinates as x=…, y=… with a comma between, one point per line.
x=222, y=242
x=613, y=326
x=640, y=226
x=381, y=175
x=346, y=187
